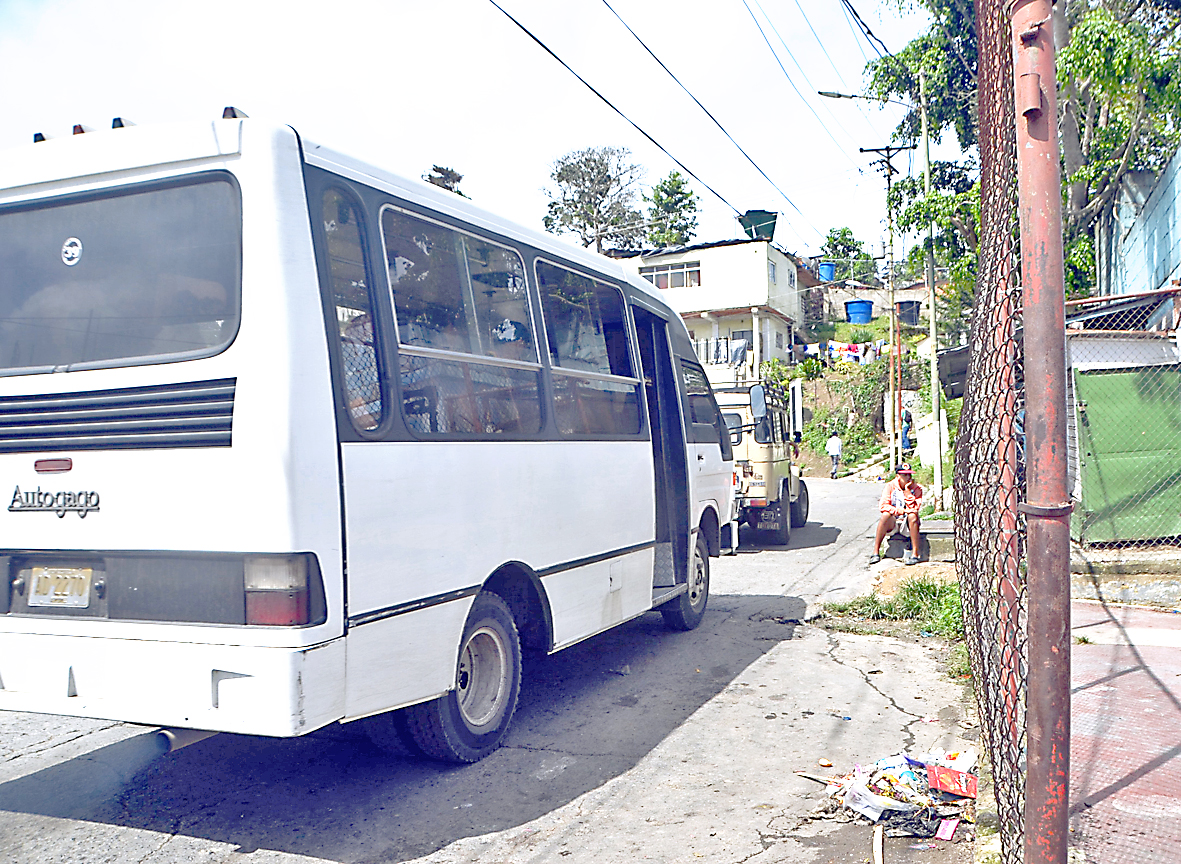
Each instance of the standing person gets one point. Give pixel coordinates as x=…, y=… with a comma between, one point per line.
x=902, y=497
x=906, y=425
x=833, y=449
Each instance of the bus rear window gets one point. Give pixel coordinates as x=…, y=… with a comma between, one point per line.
x=120, y=278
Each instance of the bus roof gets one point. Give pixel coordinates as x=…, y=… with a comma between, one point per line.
x=27, y=172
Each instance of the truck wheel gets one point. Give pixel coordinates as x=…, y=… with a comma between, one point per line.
x=471, y=721
x=799, y=508
x=685, y=611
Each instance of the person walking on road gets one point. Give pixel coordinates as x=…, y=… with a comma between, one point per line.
x=903, y=498
x=833, y=448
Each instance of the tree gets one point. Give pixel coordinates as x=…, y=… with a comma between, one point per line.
x=594, y=197
x=1119, y=75
x=446, y=178
x=672, y=212
x=849, y=255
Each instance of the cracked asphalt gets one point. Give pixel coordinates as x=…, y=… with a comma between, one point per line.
x=639, y=744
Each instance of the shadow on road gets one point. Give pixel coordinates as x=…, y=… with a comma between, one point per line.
x=586, y=715
x=810, y=536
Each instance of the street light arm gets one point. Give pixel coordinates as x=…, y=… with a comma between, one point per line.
x=832, y=94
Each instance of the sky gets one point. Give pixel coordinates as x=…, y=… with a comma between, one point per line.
x=407, y=84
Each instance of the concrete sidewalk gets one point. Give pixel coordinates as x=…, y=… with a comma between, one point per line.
x=1125, y=753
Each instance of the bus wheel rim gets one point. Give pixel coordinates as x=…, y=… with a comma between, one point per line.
x=482, y=678
x=697, y=582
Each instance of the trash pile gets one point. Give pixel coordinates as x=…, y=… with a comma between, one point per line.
x=921, y=795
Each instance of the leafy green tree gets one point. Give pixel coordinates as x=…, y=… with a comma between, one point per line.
x=849, y=255
x=594, y=197
x=1119, y=75
x=445, y=178
x=672, y=210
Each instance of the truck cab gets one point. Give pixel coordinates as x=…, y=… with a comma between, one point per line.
x=771, y=496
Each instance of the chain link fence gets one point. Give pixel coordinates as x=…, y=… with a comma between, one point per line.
x=989, y=476
x=1123, y=423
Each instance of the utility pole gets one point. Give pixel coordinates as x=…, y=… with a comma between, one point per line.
x=1048, y=505
x=937, y=498
x=889, y=170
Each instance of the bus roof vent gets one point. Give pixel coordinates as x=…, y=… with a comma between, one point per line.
x=232, y=113
x=80, y=129
x=120, y=123
x=38, y=137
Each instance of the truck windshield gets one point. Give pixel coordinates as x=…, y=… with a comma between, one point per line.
x=122, y=277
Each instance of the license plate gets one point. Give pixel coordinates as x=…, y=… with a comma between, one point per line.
x=768, y=526
x=60, y=586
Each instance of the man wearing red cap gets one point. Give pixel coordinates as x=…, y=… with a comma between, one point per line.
x=902, y=497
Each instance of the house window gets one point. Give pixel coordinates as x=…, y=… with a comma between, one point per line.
x=771, y=272
x=748, y=335
x=685, y=274
x=779, y=341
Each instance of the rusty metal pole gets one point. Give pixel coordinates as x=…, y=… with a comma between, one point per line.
x=1039, y=193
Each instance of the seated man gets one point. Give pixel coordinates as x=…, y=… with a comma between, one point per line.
x=901, y=497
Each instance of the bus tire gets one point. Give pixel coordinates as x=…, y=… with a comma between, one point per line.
x=470, y=721
x=799, y=508
x=685, y=611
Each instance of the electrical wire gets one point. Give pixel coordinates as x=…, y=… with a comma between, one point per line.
x=869, y=34
x=794, y=87
x=857, y=35
x=812, y=88
x=610, y=105
x=710, y=116
x=860, y=108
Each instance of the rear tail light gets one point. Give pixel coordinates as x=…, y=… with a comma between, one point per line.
x=277, y=590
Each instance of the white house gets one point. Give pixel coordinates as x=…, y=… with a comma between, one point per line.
x=740, y=300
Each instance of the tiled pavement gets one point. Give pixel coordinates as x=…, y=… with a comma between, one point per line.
x=1125, y=754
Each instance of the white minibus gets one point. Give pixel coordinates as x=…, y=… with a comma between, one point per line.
x=291, y=440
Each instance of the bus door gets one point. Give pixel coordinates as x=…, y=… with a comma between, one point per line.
x=709, y=442
x=670, y=465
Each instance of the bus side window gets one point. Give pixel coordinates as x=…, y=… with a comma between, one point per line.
x=585, y=333
x=459, y=293
x=354, y=309
x=708, y=426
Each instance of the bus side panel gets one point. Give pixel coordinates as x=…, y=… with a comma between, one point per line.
x=404, y=659
x=590, y=599
x=427, y=518
x=229, y=688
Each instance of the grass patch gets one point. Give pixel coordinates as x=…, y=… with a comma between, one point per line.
x=922, y=607
x=933, y=607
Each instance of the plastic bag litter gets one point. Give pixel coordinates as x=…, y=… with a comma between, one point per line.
x=857, y=797
x=898, y=786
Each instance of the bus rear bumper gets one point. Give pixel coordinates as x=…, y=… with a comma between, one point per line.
x=279, y=692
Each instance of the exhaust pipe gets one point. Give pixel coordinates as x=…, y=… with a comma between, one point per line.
x=171, y=740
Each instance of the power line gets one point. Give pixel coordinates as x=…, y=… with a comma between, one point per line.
x=856, y=34
x=799, y=66
x=820, y=42
x=793, y=84
x=609, y=104
x=871, y=38
x=709, y=115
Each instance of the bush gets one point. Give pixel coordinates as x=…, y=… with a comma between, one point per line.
x=857, y=442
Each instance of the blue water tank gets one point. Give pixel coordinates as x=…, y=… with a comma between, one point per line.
x=858, y=311
x=827, y=271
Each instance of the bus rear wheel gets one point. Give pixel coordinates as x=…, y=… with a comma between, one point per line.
x=468, y=723
x=685, y=611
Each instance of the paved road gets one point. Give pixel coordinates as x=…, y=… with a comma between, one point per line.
x=639, y=743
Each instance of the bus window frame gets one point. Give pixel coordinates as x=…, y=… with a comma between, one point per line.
x=625, y=304
x=193, y=179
